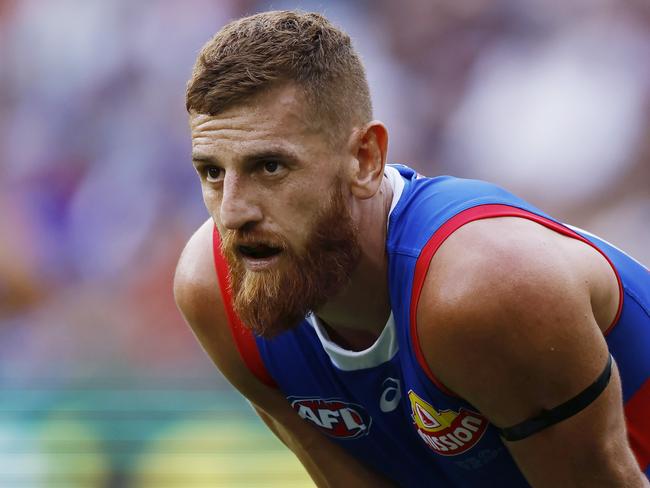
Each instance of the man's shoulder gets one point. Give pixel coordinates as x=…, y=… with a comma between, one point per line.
x=195, y=280
x=507, y=300
x=490, y=264
x=495, y=279
x=198, y=296
x=500, y=255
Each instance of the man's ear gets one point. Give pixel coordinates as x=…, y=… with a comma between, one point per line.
x=368, y=146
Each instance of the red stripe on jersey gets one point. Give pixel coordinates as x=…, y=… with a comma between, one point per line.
x=466, y=216
x=242, y=335
x=637, y=416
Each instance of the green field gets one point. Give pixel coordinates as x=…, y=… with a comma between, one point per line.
x=130, y=436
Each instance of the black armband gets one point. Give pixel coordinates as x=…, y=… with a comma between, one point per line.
x=567, y=409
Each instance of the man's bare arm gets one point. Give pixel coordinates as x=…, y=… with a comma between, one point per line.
x=198, y=297
x=508, y=320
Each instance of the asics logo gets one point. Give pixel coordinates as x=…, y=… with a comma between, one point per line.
x=391, y=395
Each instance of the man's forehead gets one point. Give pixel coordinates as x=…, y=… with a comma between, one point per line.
x=252, y=128
x=283, y=107
x=210, y=133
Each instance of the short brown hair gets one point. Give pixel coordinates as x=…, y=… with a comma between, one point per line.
x=255, y=53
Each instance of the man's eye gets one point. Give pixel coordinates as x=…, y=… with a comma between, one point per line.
x=271, y=166
x=213, y=173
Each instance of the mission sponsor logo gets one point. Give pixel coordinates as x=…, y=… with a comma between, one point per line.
x=334, y=417
x=446, y=432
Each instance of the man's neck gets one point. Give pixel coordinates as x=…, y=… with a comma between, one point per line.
x=356, y=317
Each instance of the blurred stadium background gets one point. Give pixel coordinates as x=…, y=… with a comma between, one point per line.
x=101, y=383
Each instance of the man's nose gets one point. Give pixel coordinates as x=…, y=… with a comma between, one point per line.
x=238, y=204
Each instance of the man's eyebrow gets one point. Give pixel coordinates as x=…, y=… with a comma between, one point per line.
x=202, y=160
x=271, y=154
x=250, y=159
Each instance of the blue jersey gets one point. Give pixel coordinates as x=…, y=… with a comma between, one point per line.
x=383, y=405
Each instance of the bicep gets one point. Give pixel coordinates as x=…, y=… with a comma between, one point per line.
x=589, y=448
x=517, y=385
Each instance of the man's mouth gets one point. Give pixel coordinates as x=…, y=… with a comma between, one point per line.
x=258, y=251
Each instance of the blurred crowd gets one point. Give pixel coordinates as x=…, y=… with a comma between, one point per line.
x=549, y=98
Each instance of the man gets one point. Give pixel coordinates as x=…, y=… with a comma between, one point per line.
x=393, y=329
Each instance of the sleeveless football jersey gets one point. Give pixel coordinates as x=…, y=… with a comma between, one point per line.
x=383, y=405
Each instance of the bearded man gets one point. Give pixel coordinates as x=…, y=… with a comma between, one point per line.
x=393, y=329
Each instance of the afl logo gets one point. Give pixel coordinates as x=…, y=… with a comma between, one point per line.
x=446, y=432
x=333, y=417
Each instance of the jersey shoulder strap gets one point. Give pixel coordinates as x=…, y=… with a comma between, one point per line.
x=242, y=335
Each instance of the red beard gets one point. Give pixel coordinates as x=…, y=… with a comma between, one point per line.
x=273, y=301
